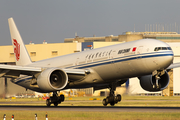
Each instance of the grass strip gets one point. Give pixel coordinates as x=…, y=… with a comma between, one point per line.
x=69, y=115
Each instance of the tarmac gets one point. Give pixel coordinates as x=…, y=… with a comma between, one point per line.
x=92, y=108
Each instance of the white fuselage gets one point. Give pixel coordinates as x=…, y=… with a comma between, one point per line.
x=121, y=61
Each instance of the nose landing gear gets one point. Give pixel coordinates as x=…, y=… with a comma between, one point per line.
x=157, y=76
x=55, y=99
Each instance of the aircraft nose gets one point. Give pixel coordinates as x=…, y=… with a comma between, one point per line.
x=167, y=60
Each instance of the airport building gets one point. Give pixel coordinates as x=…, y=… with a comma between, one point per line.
x=47, y=50
x=129, y=36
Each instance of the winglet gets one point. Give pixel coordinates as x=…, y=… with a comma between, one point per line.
x=21, y=55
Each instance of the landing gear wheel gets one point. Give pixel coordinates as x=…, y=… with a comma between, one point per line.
x=48, y=102
x=112, y=103
x=55, y=99
x=104, y=102
x=112, y=99
x=56, y=104
x=119, y=97
x=107, y=100
x=62, y=98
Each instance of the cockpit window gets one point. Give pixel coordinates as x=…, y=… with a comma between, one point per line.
x=162, y=48
x=159, y=48
x=169, y=48
x=156, y=49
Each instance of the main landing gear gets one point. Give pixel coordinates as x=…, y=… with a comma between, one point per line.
x=55, y=99
x=112, y=99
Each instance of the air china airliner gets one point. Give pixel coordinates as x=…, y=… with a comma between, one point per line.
x=106, y=67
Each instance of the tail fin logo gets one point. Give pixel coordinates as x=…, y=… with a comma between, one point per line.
x=16, y=49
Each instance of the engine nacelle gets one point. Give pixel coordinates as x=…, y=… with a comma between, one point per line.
x=52, y=79
x=148, y=81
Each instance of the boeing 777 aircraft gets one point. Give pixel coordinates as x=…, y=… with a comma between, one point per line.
x=106, y=67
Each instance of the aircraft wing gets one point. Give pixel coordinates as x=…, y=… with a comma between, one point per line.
x=174, y=65
x=14, y=71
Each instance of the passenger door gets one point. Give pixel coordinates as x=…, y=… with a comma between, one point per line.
x=139, y=52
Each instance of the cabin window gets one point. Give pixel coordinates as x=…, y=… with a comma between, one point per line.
x=97, y=54
x=89, y=56
x=107, y=54
x=120, y=51
x=92, y=56
x=103, y=54
x=110, y=52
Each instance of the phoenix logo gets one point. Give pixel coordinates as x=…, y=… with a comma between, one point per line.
x=16, y=49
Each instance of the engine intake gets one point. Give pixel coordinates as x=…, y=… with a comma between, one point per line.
x=52, y=79
x=148, y=81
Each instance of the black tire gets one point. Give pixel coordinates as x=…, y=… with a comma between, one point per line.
x=112, y=103
x=104, y=102
x=56, y=104
x=119, y=97
x=107, y=100
x=62, y=98
x=48, y=102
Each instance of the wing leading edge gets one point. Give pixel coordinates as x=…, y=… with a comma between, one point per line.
x=174, y=65
x=14, y=71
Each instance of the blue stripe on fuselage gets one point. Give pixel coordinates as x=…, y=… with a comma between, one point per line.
x=122, y=59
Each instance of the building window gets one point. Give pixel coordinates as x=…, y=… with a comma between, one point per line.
x=100, y=40
x=33, y=53
x=11, y=54
x=76, y=51
x=114, y=40
x=54, y=52
x=89, y=40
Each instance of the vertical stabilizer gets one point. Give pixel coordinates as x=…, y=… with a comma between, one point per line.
x=21, y=55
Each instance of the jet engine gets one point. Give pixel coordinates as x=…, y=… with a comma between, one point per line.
x=148, y=81
x=52, y=79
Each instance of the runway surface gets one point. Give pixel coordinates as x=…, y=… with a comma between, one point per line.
x=93, y=108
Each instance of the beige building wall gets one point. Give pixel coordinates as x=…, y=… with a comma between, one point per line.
x=175, y=82
x=129, y=37
x=103, y=44
x=40, y=51
x=6, y=54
